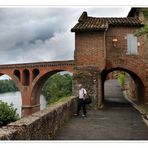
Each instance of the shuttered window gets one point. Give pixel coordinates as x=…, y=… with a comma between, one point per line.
x=132, y=45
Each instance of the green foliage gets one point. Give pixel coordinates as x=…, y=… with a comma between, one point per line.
x=143, y=108
x=146, y=14
x=7, y=86
x=142, y=31
x=7, y=114
x=56, y=87
x=121, y=79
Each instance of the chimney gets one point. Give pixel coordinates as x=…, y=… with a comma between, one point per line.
x=83, y=16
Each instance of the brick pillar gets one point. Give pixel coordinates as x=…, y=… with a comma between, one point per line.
x=30, y=105
x=99, y=91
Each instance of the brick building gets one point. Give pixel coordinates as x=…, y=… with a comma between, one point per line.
x=103, y=45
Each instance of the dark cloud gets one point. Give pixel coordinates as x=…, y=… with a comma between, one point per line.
x=42, y=34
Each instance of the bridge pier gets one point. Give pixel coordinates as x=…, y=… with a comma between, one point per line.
x=30, y=104
x=30, y=109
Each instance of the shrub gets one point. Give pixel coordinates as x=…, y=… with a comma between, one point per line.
x=121, y=79
x=7, y=113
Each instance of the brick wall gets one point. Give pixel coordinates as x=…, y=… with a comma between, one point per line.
x=42, y=125
x=117, y=56
x=89, y=49
x=96, y=50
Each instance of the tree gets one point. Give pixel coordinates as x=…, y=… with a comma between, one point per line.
x=7, y=86
x=57, y=86
x=142, y=31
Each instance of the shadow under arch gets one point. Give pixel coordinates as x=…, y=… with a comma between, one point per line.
x=138, y=82
x=36, y=90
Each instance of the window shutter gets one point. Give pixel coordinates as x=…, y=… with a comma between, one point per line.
x=132, y=44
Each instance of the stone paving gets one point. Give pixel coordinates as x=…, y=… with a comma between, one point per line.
x=113, y=91
x=116, y=121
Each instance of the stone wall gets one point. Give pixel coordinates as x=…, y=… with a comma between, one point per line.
x=88, y=79
x=41, y=125
x=131, y=89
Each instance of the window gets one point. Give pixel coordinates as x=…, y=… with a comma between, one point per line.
x=132, y=44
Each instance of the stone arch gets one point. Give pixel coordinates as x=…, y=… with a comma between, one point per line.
x=138, y=82
x=36, y=90
x=35, y=73
x=17, y=74
x=26, y=77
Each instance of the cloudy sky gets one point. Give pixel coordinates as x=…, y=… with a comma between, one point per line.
x=43, y=34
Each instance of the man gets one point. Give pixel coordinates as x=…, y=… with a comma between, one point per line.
x=81, y=101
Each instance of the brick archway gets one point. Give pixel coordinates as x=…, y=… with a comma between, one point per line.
x=108, y=43
x=38, y=85
x=138, y=81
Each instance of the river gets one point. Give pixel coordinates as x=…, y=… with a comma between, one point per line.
x=15, y=98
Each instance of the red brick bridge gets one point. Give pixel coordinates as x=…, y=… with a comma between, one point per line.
x=102, y=45
x=30, y=78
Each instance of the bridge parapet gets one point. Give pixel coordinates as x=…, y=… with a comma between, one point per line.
x=38, y=64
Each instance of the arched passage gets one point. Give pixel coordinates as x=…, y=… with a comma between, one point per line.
x=134, y=76
x=36, y=91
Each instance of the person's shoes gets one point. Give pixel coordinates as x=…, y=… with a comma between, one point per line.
x=76, y=115
x=83, y=115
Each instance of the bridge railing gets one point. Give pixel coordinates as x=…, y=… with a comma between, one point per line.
x=42, y=125
x=38, y=64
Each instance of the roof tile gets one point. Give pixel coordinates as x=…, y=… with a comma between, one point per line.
x=96, y=24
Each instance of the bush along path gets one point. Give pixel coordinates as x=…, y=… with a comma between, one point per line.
x=7, y=113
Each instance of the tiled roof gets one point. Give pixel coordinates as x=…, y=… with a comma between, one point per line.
x=94, y=24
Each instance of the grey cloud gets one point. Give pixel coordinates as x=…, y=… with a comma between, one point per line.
x=42, y=34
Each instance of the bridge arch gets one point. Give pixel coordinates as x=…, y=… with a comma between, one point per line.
x=16, y=98
x=39, y=82
x=35, y=73
x=17, y=74
x=14, y=79
x=138, y=81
